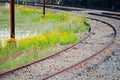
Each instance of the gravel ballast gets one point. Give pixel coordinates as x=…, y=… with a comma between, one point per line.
x=96, y=69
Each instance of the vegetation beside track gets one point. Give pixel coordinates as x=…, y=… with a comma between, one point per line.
x=54, y=29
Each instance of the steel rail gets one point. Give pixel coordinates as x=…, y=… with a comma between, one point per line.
x=88, y=58
x=51, y=56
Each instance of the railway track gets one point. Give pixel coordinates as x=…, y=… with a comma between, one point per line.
x=69, y=58
x=53, y=76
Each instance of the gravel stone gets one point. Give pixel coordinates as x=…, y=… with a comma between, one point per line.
x=103, y=67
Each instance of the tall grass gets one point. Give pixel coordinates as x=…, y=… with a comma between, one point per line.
x=54, y=29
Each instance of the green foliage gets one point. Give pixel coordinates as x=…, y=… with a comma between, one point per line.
x=67, y=38
x=5, y=11
x=45, y=40
x=52, y=30
x=0, y=43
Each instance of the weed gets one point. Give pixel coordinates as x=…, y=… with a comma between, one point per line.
x=54, y=29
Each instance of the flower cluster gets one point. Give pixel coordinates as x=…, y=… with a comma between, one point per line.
x=45, y=40
x=54, y=29
x=20, y=7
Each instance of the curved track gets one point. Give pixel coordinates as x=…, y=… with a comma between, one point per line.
x=66, y=56
x=84, y=60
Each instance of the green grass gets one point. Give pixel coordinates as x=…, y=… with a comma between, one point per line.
x=54, y=29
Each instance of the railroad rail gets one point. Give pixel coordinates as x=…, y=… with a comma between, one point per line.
x=112, y=41
x=51, y=56
x=78, y=63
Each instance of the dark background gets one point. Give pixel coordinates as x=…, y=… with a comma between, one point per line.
x=113, y=5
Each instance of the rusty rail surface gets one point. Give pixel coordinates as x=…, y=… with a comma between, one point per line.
x=86, y=59
x=51, y=56
x=57, y=54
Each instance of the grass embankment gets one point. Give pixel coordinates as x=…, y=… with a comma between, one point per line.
x=52, y=30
